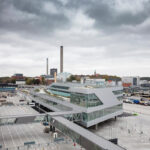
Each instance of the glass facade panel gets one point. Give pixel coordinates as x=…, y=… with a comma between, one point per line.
x=60, y=87
x=79, y=99
x=85, y=117
x=118, y=92
x=79, y=138
x=7, y=121
x=5, y=89
x=93, y=100
x=120, y=98
x=65, y=130
x=39, y=118
x=59, y=93
x=85, y=100
x=56, y=105
x=97, y=114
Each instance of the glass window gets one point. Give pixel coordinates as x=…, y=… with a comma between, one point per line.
x=85, y=117
x=73, y=135
x=85, y=100
x=56, y=105
x=39, y=118
x=97, y=114
x=59, y=92
x=118, y=92
x=93, y=100
x=120, y=98
x=60, y=87
x=7, y=121
x=79, y=99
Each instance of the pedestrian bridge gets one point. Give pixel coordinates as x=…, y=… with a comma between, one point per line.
x=29, y=118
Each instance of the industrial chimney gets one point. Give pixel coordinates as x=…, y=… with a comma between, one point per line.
x=47, y=66
x=61, y=59
x=55, y=77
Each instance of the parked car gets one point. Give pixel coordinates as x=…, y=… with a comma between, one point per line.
x=45, y=123
x=21, y=100
x=4, y=96
x=146, y=103
x=31, y=104
x=142, y=102
x=127, y=101
x=135, y=101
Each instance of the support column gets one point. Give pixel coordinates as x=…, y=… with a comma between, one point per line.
x=51, y=127
x=96, y=127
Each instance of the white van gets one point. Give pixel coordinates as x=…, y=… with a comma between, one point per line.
x=32, y=104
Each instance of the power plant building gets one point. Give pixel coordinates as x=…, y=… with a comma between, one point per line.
x=52, y=71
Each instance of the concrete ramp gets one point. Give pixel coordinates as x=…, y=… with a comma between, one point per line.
x=23, y=120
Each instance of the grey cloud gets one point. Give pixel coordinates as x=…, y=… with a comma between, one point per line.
x=107, y=16
x=29, y=17
x=96, y=34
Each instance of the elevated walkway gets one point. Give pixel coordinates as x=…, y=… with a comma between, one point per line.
x=82, y=136
x=29, y=118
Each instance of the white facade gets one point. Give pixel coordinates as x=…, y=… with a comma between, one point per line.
x=119, y=83
x=21, y=82
x=87, y=80
x=144, y=82
x=111, y=83
x=63, y=76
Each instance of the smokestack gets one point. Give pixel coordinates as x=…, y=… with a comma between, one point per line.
x=55, y=77
x=61, y=59
x=47, y=66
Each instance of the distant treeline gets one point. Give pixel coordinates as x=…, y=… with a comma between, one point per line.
x=29, y=80
x=7, y=80
x=97, y=76
x=106, y=77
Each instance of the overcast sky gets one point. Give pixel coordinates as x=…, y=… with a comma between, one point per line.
x=109, y=36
